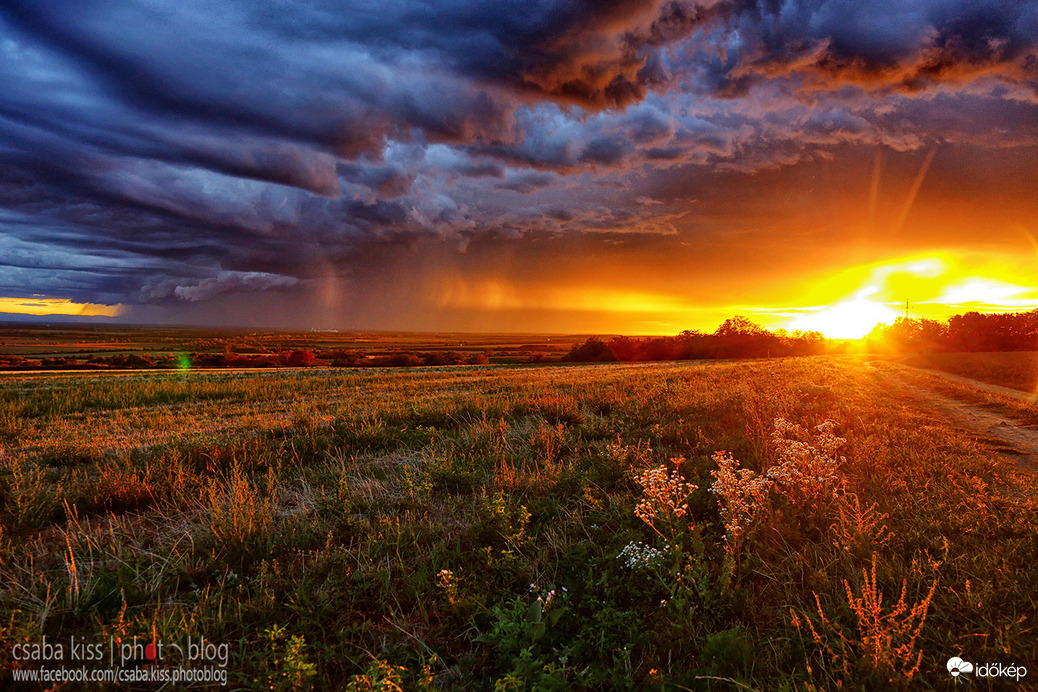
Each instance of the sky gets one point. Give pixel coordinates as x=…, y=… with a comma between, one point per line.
x=610, y=166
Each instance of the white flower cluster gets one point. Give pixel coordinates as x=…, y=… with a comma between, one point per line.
x=547, y=598
x=743, y=494
x=806, y=472
x=641, y=556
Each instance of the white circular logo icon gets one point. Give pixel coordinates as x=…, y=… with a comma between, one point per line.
x=956, y=666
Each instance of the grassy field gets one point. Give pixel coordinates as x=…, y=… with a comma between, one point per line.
x=1015, y=369
x=658, y=526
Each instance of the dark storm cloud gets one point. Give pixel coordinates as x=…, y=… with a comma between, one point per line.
x=876, y=43
x=176, y=151
x=526, y=181
x=223, y=282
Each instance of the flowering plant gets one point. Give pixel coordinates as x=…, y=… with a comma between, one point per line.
x=665, y=500
x=806, y=473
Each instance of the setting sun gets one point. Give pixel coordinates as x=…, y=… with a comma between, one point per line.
x=935, y=286
x=851, y=319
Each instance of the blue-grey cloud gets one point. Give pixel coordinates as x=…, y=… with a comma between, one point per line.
x=165, y=152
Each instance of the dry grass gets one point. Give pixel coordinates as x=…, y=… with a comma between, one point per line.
x=345, y=528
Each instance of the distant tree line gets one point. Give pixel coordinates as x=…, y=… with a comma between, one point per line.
x=737, y=337
x=339, y=358
x=1016, y=331
x=288, y=358
x=122, y=361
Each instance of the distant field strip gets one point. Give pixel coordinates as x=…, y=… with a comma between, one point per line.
x=1013, y=369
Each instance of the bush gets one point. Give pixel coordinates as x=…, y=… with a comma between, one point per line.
x=594, y=350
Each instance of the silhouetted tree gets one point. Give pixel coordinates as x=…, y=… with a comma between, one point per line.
x=910, y=335
x=738, y=337
x=999, y=332
x=625, y=349
x=593, y=350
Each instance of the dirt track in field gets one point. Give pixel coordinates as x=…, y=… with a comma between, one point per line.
x=998, y=432
x=983, y=386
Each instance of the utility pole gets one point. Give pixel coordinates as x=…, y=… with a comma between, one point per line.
x=906, y=309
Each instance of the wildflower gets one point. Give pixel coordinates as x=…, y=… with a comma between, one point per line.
x=886, y=634
x=449, y=584
x=665, y=497
x=638, y=555
x=806, y=471
x=743, y=494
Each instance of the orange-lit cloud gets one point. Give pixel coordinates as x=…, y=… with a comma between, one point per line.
x=56, y=306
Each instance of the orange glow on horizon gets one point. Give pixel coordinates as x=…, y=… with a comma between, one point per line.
x=845, y=304
x=850, y=303
x=56, y=306
x=935, y=286
x=497, y=294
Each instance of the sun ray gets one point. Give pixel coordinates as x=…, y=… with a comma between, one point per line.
x=877, y=172
x=913, y=192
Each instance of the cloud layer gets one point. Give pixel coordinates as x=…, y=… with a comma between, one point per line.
x=166, y=153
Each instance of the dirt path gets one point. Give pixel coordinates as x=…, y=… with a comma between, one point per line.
x=976, y=384
x=994, y=430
